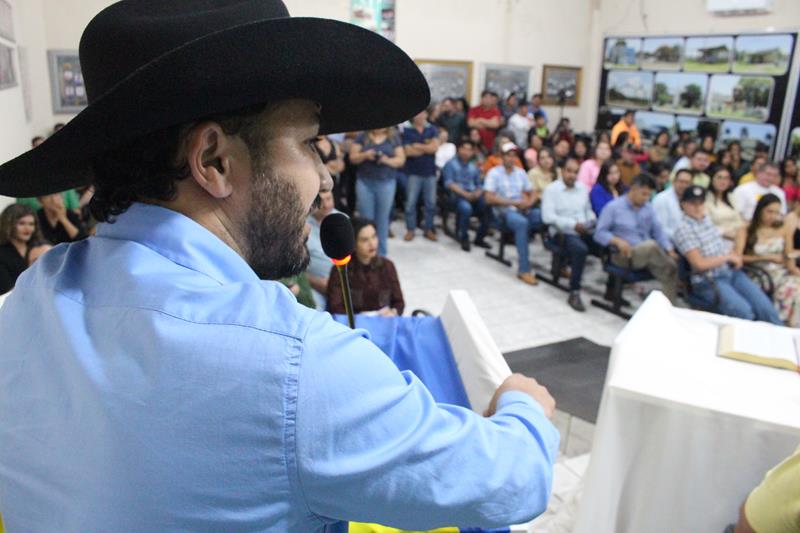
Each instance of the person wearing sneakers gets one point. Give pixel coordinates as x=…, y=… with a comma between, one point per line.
x=509, y=191
x=420, y=142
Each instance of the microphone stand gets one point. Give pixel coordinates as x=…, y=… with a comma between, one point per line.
x=341, y=268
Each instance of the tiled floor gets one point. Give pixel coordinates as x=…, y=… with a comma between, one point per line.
x=518, y=316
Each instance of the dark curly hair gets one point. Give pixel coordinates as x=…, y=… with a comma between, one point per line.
x=149, y=167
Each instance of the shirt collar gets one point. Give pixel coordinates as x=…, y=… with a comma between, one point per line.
x=181, y=240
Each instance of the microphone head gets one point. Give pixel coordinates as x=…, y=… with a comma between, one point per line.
x=336, y=234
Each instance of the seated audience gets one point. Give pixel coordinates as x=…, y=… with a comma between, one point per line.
x=716, y=271
x=629, y=224
x=768, y=244
x=462, y=178
x=540, y=125
x=565, y=207
x=377, y=155
x=542, y=174
x=627, y=125
x=789, y=182
x=420, y=142
x=563, y=131
x=319, y=265
x=629, y=167
x=21, y=243
x=580, y=150
x=707, y=144
x=535, y=143
x=487, y=118
x=480, y=151
x=561, y=150
x=608, y=187
x=57, y=223
x=698, y=165
x=374, y=285
x=750, y=174
x=509, y=106
x=496, y=158
x=510, y=193
x=667, y=203
x=536, y=106
x=452, y=120
x=659, y=151
x=684, y=152
x=661, y=173
x=774, y=505
x=745, y=197
x=520, y=124
x=301, y=289
x=590, y=169
x=719, y=205
x=738, y=166
x=446, y=150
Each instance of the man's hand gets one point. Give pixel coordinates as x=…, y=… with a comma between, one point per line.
x=673, y=254
x=580, y=229
x=624, y=248
x=371, y=154
x=518, y=382
x=735, y=260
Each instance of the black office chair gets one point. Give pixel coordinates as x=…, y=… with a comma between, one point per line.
x=695, y=301
x=618, y=276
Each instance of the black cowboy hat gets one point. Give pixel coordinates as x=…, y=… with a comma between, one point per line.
x=151, y=64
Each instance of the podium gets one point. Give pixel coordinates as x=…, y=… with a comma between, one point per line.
x=683, y=435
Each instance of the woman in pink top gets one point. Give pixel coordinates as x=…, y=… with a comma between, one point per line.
x=590, y=168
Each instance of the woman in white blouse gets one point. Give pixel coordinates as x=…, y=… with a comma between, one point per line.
x=719, y=206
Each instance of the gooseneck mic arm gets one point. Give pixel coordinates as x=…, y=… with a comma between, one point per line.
x=338, y=242
x=341, y=268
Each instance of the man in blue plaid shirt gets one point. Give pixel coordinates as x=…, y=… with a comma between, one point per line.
x=714, y=265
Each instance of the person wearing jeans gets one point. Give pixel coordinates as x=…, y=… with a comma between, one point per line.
x=510, y=193
x=629, y=223
x=462, y=178
x=377, y=155
x=567, y=209
x=420, y=142
x=716, y=272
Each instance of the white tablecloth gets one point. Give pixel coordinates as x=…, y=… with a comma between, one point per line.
x=683, y=435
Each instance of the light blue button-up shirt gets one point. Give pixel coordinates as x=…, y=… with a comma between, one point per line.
x=150, y=382
x=620, y=218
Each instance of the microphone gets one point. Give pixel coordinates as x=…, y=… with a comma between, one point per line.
x=338, y=243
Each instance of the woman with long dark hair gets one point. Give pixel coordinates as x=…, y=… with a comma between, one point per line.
x=374, y=285
x=590, y=169
x=609, y=186
x=767, y=242
x=719, y=207
x=21, y=243
x=659, y=152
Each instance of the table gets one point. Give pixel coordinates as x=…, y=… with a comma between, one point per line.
x=683, y=435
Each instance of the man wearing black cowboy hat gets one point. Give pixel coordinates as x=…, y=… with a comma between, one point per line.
x=169, y=387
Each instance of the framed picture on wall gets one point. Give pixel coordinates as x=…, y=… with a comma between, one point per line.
x=662, y=53
x=680, y=92
x=629, y=89
x=762, y=54
x=447, y=78
x=708, y=54
x=622, y=52
x=561, y=85
x=740, y=97
x=6, y=21
x=506, y=79
x=8, y=77
x=66, y=81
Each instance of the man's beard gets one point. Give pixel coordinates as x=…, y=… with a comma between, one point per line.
x=273, y=228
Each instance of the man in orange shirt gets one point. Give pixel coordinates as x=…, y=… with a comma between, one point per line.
x=627, y=125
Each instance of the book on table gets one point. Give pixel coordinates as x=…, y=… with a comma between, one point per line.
x=760, y=343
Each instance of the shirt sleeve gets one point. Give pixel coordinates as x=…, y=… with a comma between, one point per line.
x=685, y=240
x=76, y=221
x=490, y=183
x=549, y=214
x=372, y=445
x=449, y=174
x=662, y=212
x=397, y=301
x=774, y=505
x=406, y=138
x=661, y=236
x=603, y=235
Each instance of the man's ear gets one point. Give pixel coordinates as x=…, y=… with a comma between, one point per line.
x=209, y=154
